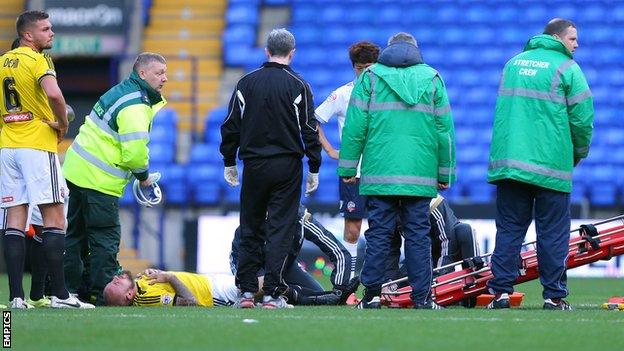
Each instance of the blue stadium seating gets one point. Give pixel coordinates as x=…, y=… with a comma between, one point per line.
x=206, y=194
x=230, y=194
x=163, y=134
x=162, y=152
x=243, y=12
x=127, y=199
x=454, y=193
x=176, y=194
x=604, y=195
x=205, y=153
x=481, y=192
x=167, y=117
x=468, y=42
x=240, y=34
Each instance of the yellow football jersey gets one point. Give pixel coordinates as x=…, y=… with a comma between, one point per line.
x=163, y=294
x=23, y=103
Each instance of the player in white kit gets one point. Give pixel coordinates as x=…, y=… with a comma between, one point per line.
x=352, y=204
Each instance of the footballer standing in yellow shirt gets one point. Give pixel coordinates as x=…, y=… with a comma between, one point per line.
x=34, y=120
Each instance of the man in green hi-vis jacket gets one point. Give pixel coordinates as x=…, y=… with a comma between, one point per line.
x=399, y=120
x=542, y=129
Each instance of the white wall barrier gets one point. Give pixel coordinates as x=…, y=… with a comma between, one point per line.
x=215, y=235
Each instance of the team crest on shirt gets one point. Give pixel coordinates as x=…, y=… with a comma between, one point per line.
x=7, y=199
x=167, y=299
x=62, y=192
x=350, y=206
x=332, y=97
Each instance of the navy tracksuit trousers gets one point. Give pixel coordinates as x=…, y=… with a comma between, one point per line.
x=516, y=203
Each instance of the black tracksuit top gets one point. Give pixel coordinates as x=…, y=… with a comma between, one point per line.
x=271, y=113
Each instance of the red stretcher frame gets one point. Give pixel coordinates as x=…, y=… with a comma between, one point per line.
x=454, y=287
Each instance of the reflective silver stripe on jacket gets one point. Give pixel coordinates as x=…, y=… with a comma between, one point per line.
x=399, y=106
x=446, y=170
x=396, y=105
x=412, y=180
x=579, y=97
x=556, y=80
x=107, y=116
x=102, y=122
x=103, y=125
x=549, y=172
x=98, y=163
x=440, y=111
x=532, y=93
x=361, y=104
x=347, y=163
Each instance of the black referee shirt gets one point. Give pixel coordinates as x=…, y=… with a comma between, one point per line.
x=271, y=113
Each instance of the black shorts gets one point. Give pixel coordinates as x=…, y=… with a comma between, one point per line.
x=352, y=204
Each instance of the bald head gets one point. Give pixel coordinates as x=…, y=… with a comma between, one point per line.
x=120, y=290
x=558, y=26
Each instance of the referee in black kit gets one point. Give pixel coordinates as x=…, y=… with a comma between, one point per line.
x=271, y=111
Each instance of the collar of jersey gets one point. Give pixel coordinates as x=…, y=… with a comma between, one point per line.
x=275, y=64
x=152, y=94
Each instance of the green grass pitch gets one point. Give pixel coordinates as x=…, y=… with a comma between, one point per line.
x=529, y=328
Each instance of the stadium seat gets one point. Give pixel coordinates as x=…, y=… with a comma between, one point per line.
x=327, y=193
x=162, y=152
x=578, y=194
x=477, y=14
x=204, y=153
x=127, y=199
x=171, y=174
x=201, y=173
x=481, y=192
x=505, y=13
x=454, y=193
x=166, y=116
x=604, y=195
x=242, y=33
x=164, y=134
x=176, y=194
x=388, y=14
x=206, y=194
x=332, y=13
x=276, y=2
x=360, y=17
x=307, y=35
x=212, y=134
x=242, y=13
x=230, y=194
x=304, y=13
x=337, y=35
x=241, y=55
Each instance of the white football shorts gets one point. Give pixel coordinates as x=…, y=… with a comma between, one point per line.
x=29, y=176
x=224, y=290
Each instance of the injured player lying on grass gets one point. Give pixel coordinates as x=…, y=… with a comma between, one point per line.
x=154, y=287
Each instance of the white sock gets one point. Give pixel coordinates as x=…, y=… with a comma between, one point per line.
x=352, y=248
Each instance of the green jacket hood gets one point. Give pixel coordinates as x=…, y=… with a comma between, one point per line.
x=153, y=95
x=548, y=42
x=409, y=83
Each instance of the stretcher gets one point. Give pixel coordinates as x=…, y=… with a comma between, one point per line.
x=591, y=242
